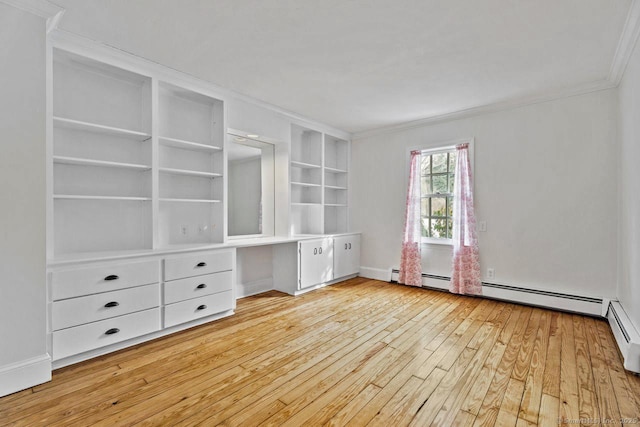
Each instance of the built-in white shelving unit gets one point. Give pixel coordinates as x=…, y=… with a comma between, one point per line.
x=101, y=157
x=137, y=163
x=319, y=164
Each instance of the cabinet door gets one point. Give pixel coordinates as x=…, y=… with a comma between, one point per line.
x=316, y=262
x=346, y=255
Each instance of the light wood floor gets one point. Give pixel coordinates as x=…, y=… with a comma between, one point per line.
x=359, y=353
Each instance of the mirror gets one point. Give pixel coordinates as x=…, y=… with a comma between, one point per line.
x=250, y=179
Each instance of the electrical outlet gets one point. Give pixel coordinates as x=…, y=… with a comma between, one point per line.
x=184, y=230
x=491, y=273
x=482, y=226
x=202, y=229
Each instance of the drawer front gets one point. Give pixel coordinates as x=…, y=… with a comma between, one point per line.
x=95, y=335
x=181, y=312
x=104, y=278
x=197, y=265
x=193, y=287
x=77, y=311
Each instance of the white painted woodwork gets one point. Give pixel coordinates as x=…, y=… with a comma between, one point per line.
x=185, y=311
x=316, y=262
x=192, y=287
x=198, y=265
x=91, y=308
x=346, y=255
x=75, y=282
x=86, y=337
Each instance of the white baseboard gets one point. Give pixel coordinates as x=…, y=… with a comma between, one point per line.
x=254, y=288
x=375, y=273
x=24, y=374
x=626, y=336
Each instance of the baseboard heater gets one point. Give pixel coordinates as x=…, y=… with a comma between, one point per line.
x=626, y=335
x=536, y=297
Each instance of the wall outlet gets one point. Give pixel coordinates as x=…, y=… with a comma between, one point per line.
x=482, y=226
x=184, y=229
x=202, y=229
x=491, y=273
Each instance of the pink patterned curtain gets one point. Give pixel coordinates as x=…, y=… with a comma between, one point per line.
x=466, y=259
x=410, y=265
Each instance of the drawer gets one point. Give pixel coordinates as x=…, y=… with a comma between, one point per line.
x=103, y=278
x=192, y=287
x=77, y=311
x=181, y=312
x=197, y=265
x=83, y=338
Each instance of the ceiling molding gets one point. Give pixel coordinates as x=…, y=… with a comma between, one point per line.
x=489, y=108
x=627, y=42
x=41, y=8
x=103, y=52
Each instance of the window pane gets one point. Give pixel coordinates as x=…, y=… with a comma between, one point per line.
x=424, y=229
x=452, y=162
x=440, y=184
x=451, y=181
x=424, y=208
x=439, y=228
x=438, y=206
x=425, y=165
x=450, y=206
x=425, y=185
x=449, y=228
x=439, y=162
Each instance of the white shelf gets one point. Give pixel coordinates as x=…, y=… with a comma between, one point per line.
x=338, y=205
x=305, y=184
x=172, y=200
x=80, y=197
x=62, y=122
x=334, y=170
x=189, y=145
x=305, y=204
x=304, y=165
x=333, y=187
x=190, y=172
x=102, y=163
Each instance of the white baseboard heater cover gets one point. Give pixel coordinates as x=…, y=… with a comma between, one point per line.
x=547, y=299
x=626, y=336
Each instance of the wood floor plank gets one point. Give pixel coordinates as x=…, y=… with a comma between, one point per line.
x=356, y=353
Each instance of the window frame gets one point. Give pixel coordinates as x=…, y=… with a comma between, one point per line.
x=435, y=148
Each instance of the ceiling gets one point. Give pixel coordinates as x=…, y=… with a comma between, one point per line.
x=360, y=65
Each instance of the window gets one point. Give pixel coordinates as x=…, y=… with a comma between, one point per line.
x=437, y=173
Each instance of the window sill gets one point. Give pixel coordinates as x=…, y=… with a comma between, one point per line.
x=441, y=242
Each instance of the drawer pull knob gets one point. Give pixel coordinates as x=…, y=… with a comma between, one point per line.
x=201, y=307
x=112, y=331
x=349, y=245
x=201, y=264
x=112, y=304
x=320, y=251
x=201, y=286
x=111, y=277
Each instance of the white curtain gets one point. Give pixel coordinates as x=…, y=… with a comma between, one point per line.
x=410, y=259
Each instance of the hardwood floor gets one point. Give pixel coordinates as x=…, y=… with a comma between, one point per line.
x=361, y=352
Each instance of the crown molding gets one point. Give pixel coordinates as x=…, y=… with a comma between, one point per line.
x=627, y=42
x=489, y=108
x=41, y=8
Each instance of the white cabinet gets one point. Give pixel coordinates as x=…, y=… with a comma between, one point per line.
x=316, y=262
x=346, y=255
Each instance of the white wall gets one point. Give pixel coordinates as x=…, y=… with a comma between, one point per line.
x=545, y=183
x=22, y=173
x=629, y=112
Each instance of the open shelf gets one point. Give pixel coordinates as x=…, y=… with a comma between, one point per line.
x=190, y=173
x=305, y=204
x=188, y=145
x=334, y=187
x=304, y=165
x=305, y=184
x=334, y=170
x=98, y=128
x=101, y=163
x=338, y=205
x=83, y=197
x=168, y=199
